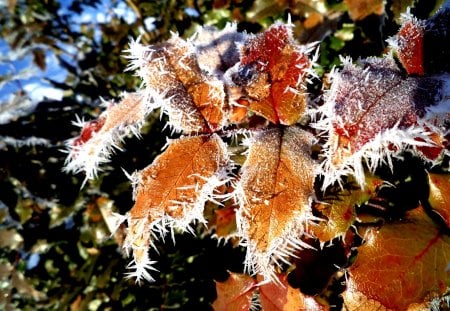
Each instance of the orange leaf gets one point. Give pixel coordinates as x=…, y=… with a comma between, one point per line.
x=174, y=188
x=224, y=222
x=360, y=9
x=401, y=265
x=193, y=99
x=277, y=184
x=439, y=198
x=279, y=296
x=235, y=294
x=272, y=70
x=340, y=213
x=98, y=137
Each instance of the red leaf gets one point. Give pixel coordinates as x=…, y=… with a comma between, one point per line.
x=410, y=46
x=89, y=129
x=423, y=46
x=401, y=265
x=373, y=113
x=272, y=70
x=235, y=294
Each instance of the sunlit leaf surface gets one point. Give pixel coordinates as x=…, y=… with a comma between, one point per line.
x=401, y=264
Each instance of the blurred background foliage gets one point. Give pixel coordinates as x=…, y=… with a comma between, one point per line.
x=57, y=252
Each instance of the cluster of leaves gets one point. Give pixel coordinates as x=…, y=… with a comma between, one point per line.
x=292, y=208
x=340, y=238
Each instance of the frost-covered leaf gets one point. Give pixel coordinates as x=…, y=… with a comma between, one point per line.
x=401, y=265
x=272, y=74
x=360, y=9
x=280, y=296
x=98, y=138
x=373, y=112
x=217, y=50
x=172, y=191
x=409, y=43
x=423, y=46
x=193, y=99
x=339, y=213
x=235, y=294
x=275, y=191
x=439, y=198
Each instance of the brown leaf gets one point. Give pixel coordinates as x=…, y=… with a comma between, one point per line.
x=39, y=58
x=235, y=294
x=12, y=5
x=193, y=99
x=279, y=296
x=272, y=73
x=439, y=197
x=174, y=188
x=401, y=265
x=10, y=238
x=360, y=9
x=277, y=184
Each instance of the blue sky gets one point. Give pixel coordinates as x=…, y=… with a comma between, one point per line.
x=25, y=75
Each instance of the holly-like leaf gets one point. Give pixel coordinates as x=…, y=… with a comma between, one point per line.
x=373, y=113
x=99, y=137
x=360, y=9
x=272, y=73
x=280, y=296
x=193, y=99
x=439, y=198
x=409, y=43
x=275, y=191
x=422, y=46
x=401, y=265
x=235, y=294
x=339, y=213
x=172, y=192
